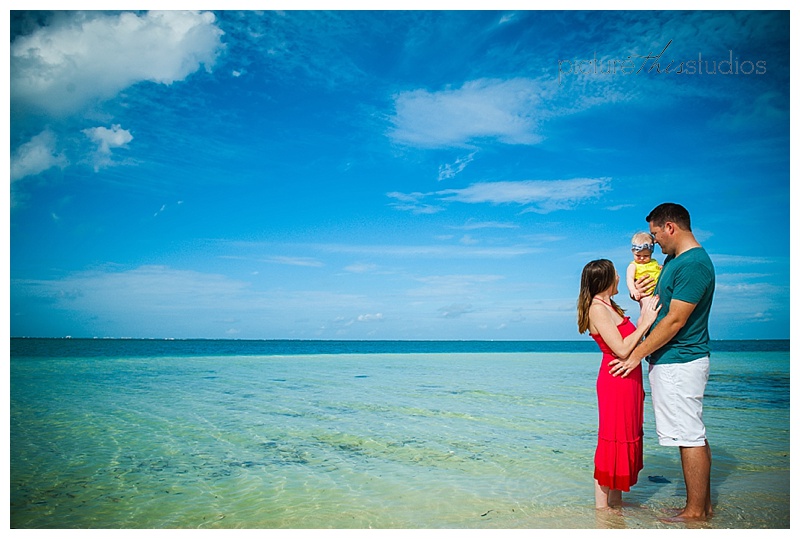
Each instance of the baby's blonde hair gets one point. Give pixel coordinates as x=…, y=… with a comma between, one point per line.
x=640, y=239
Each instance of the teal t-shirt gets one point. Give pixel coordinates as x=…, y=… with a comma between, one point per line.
x=688, y=277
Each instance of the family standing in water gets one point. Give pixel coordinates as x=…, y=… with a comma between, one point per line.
x=675, y=301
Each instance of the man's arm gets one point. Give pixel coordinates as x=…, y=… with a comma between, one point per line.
x=666, y=329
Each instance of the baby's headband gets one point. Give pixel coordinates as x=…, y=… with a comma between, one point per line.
x=645, y=246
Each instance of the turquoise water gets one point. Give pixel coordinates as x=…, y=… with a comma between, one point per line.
x=215, y=434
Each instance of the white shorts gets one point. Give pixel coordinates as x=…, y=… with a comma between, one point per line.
x=677, y=392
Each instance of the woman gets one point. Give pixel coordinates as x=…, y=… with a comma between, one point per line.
x=618, y=458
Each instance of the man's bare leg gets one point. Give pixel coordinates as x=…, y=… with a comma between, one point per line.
x=709, y=509
x=696, y=462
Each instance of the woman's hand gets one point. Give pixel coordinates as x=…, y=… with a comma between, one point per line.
x=650, y=307
x=620, y=367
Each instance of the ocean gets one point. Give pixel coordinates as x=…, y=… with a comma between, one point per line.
x=186, y=434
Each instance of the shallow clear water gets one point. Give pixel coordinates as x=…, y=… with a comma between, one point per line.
x=445, y=440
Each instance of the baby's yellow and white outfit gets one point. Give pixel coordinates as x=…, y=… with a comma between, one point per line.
x=652, y=268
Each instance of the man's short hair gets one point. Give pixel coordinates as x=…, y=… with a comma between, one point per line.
x=670, y=212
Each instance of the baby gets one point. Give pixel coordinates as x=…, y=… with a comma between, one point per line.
x=642, y=245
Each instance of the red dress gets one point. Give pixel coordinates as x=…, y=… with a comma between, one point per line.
x=620, y=402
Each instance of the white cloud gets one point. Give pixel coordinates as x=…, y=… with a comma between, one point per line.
x=410, y=198
x=506, y=18
x=484, y=108
x=435, y=251
x=164, y=302
x=740, y=260
x=454, y=285
x=296, y=261
x=476, y=225
x=455, y=310
x=541, y=196
x=412, y=202
x=36, y=156
x=163, y=208
x=107, y=139
x=545, y=193
x=361, y=268
x=88, y=56
x=377, y=317
x=760, y=297
x=450, y=170
x=147, y=287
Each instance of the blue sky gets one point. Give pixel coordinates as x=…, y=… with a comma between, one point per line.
x=385, y=175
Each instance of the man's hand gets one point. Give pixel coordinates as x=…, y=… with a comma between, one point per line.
x=643, y=284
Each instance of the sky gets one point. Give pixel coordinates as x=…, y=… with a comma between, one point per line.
x=386, y=174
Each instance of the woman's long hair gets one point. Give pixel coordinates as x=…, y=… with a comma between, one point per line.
x=597, y=276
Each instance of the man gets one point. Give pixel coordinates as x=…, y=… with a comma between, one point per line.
x=678, y=350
